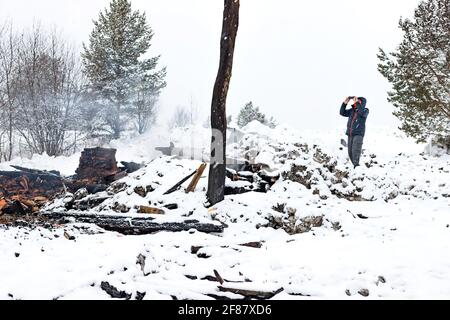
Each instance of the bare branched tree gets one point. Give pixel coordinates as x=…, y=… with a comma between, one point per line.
x=181, y=118
x=8, y=66
x=47, y=85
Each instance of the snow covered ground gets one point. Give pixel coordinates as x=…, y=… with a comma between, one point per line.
x=382, y=230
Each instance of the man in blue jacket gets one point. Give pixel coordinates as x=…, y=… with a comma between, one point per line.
x=356, y=126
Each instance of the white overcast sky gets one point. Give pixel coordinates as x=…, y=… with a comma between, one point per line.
x=295, y=59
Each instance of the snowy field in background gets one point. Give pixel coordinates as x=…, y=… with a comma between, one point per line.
x=388, y=249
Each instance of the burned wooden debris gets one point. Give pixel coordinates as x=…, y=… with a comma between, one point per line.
x=218, y=277
x=97, y=164
x=26, y=191
x=196, y=175
x=131, y=167
x=255, y=245
x=150, y=210
x=29, y=183
x=196, y=178
x=254, y=181
x=252, y=294
x=35, y=171
x=114, y=292
x=133, y=226
x=179, y=184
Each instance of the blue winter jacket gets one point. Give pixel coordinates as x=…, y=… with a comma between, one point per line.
x=357, y=115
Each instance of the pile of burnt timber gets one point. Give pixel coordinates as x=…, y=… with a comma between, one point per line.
x=26, y=191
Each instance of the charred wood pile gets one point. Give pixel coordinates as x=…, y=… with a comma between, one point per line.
x=26, y=191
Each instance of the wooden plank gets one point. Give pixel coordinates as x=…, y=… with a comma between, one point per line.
x=150, y=210
x=179, y=184
x=218, y=277
x=196, y=179
x=256, y=245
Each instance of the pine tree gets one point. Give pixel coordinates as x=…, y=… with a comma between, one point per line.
x=120, y=79
x=250, y=113
x=419, y=71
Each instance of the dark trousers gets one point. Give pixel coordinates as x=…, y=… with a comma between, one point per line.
x=355, y=145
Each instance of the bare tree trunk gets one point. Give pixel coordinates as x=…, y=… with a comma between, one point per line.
x=7, y=68
x=217, y=172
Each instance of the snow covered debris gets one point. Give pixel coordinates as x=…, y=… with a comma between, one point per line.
x=322, y=230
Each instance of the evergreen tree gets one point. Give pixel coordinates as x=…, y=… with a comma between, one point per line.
x=419, y=71
x=119, y=77
x=250, y=113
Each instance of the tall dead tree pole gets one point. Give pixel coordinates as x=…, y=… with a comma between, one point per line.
x=217, y=171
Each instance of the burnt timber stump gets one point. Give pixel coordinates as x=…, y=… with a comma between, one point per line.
x=97, y=165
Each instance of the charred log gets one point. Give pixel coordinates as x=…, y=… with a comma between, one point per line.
x=134, y=226
x=252, y=294
x=131, y=167
x=36, y=171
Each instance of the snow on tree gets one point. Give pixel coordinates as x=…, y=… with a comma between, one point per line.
x=419, y=71
x=250, y=113
x=120, y=78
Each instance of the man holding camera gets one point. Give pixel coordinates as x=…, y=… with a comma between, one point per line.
x=356, y=126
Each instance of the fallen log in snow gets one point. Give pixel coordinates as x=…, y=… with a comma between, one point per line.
x=252, y=294
x=114, y=292
x=134, y=226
